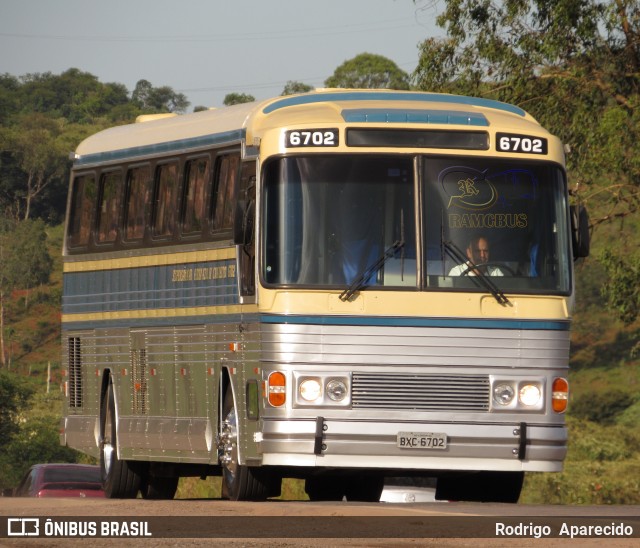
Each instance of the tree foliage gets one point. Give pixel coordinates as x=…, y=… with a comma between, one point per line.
x=231, y=99
x=293, y=87
x=621, y=287
x=152, y=100
x=14, y=395
x=368, y=71
x=44, y=116
x=575, y=65
x=27, y=262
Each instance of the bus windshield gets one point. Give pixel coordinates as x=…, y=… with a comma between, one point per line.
x=329, y=219
x=501, y=219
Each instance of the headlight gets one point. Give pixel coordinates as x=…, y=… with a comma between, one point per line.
x=310, y=389
x=510, y=394
x=320, y=389
x=503, y=394
x=530, y=395
x=336, y=390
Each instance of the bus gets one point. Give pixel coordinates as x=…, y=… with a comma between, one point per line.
x=339, y=287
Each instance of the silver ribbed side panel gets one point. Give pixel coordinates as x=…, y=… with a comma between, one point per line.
x=420, y=392
x=414, y=346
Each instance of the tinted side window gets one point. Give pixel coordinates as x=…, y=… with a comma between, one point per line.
x=196, y=180
x=138, y=198
x=224, y=194
x=166, y=200
x=109, y=211
x=83, y=204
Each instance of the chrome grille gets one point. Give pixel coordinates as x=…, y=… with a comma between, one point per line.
x=420, y=392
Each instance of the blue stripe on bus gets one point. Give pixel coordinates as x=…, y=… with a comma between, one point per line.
x=162, y=148
x=401, y=116
x=478, y=323
x=390, y=96
x=150, y=288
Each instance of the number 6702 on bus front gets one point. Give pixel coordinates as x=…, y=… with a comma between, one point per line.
x=311, y=138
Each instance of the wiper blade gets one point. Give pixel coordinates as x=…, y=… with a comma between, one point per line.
x=457, y=255
x=361, y=280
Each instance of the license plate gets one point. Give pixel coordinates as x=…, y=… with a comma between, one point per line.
x=422, y=440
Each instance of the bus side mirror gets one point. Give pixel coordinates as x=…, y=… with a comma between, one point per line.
x=579, y=231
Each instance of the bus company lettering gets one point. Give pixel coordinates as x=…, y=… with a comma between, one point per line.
x=198, y=274
x=488, y=220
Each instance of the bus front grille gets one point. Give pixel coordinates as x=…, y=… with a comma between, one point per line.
x=420, y=392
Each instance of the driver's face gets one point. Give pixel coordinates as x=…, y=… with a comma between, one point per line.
x=478, y=251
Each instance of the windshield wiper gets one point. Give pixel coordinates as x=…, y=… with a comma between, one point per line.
x=457, y=255
x=362, y=278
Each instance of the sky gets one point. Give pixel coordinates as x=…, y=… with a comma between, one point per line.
x=209, y=48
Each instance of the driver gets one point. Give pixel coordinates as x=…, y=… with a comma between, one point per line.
x=478, y=255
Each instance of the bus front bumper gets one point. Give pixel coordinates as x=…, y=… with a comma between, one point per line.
x=400, y=445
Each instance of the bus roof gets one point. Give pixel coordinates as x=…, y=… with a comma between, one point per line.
x=249, y=121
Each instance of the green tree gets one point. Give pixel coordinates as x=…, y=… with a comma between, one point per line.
x=24, y=263
x=73, y=95
x=574, y=65
x=237, y=99
x=35, y=146
x=153, y=100
x=292, y=87
x=9, y=86
x=14, y=395
x=621, y=287
x=36, y=440
x=369, y=71
x=28, y=259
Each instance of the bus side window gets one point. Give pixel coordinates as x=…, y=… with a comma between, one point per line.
x=109, y=210
x=165, y=211
x=83, y=204
x=196, y=180
x=223, y=197
x=138, y=196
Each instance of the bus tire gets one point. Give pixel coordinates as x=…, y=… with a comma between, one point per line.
x=120, y=478
x=239, y=482
x=480, y=487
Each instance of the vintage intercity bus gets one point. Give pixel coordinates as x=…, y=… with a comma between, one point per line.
x=341, y=286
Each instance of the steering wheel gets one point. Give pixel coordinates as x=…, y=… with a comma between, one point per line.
x=502, y=266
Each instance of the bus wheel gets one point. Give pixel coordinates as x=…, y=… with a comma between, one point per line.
x=480, y=487
x=120, y=478
x=239, y=482
x=364, y=488
x=158, y=488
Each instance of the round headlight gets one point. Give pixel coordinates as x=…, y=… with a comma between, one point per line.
x=310, y=390
x=530, y=395
x=503, y=394
x=336, y=390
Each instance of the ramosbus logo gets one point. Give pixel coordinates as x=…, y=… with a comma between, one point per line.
x=23, y=527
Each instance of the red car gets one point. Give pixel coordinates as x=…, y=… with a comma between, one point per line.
x=61, y=480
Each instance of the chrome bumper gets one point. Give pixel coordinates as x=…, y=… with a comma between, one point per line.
x=470, y=446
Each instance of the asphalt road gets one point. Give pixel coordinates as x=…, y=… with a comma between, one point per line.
x=313, y=524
